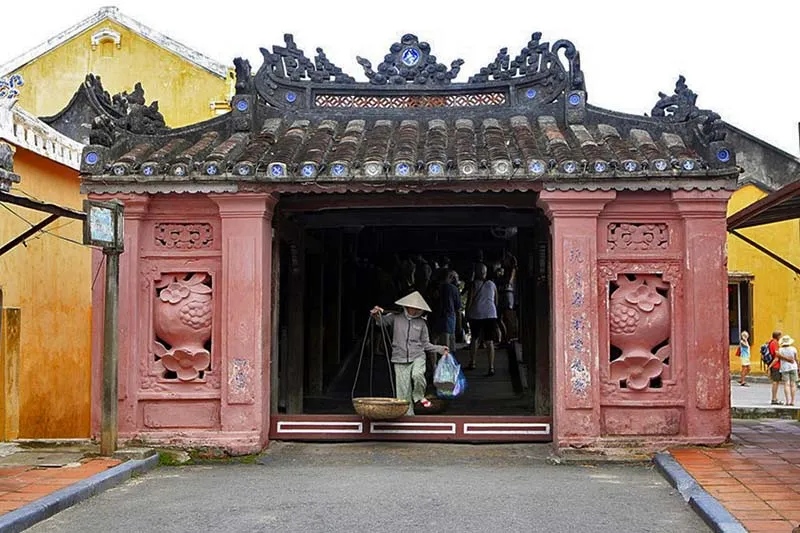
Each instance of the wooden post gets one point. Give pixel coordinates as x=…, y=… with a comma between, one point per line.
x=108, y=436
x=295, y=362
x=10, y=321
x=274, y=384
x=314, y=272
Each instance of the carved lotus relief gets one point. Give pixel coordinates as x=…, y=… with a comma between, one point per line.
x=183, y=317
x=639, y=325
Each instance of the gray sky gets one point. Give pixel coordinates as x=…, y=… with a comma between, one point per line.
x=741, y=58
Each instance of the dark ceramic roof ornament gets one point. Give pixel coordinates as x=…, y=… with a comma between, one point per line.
x=410, y=61
x=244, y=78
x=536, y=58
x=124, y=110
x=289, y=62
x=682, y=107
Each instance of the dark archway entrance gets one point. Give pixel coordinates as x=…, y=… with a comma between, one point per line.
x=338, y=258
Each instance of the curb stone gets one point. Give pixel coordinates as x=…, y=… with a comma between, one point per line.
x=47, y=506
x=706, y=506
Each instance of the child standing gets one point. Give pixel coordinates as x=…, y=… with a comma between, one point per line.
x=744, y=356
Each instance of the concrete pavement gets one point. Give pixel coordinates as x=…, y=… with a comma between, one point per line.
x=753, y=401
x=388, y=487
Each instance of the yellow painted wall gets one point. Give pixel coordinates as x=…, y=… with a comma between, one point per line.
x=776, y=289
x=183, y=89
x=50, y=281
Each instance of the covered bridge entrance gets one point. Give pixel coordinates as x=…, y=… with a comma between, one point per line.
x=258, y=240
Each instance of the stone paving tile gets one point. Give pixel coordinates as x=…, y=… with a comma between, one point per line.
x=20, y=485
x=758, y=479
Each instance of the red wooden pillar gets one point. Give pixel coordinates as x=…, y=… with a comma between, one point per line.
x=246, y=311
x=575, y=313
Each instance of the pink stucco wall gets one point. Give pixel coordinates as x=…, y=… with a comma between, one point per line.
x=666, y=248
x=676, y=239
x=225, y=240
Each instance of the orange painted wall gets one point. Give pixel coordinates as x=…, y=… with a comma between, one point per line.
x=50, y=280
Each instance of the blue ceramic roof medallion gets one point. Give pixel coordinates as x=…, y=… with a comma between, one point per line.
x=536, y=167
x=180, y=170
x=212, y=169
x=410, y=56
x=660, y=165
x=630, y=166
x=435, y=168
x=338, y=170
x=724, y=155
x=92, y=158
x=243, y=170
x=291, y=97
x=276, y=170
x=308, y=170
x=574, y=99
x=242, y=105
x=570, y=167
x=402, y=169
x=531, y=93
x=688, y=165
x=119, y=170
x=147, y=170
x=600, y=166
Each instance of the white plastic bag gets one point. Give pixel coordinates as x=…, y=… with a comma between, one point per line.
x=446, y=375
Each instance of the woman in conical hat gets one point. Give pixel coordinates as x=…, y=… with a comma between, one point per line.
x=410, y=340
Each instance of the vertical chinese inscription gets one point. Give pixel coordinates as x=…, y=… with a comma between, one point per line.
x=577, y=270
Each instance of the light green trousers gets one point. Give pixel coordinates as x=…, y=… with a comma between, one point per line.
x=410, y=382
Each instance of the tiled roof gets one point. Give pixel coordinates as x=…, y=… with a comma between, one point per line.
x=300, y=122
x=377, y=149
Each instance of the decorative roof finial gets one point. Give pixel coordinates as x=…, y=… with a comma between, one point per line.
x=681, y=107
x=9, y=90
x=410, y=61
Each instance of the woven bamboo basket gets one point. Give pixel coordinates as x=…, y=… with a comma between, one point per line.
x=380, y=408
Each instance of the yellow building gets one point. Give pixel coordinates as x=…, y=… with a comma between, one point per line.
x=188, y=86
x=763, y=294
x=45, y=286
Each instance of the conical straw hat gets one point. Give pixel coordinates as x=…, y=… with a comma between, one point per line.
x=414, y=300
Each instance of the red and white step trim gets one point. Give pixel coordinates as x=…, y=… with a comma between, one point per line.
x=421, y=428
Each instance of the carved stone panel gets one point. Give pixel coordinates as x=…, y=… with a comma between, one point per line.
x=637, y=237
x=639, y=330
x=182, y=320
x=184, y=236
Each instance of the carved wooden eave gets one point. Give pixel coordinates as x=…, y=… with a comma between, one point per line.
x=301, y=124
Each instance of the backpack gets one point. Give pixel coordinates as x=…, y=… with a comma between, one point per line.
x=766, y=357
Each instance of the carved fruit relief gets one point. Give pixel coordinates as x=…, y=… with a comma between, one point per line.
x=639, y=324
x=183, y=316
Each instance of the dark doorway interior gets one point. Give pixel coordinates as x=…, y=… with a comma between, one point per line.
x=352, y=259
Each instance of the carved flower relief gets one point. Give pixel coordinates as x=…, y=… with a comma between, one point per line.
x=645, y=298
x=187, y=366
x=636, y=370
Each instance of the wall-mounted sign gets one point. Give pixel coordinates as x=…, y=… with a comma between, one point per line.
x=103, y=224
